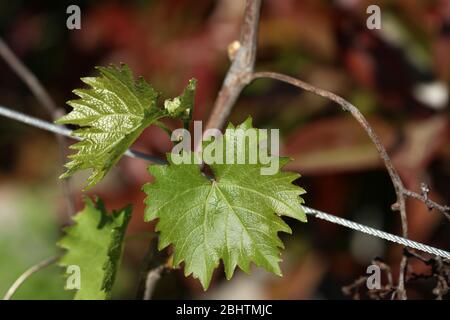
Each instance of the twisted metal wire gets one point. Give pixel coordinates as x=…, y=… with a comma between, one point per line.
x=38, y=123
x=376, y=233
x=312, y=212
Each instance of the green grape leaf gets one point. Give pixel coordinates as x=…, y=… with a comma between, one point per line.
x=183, y=105
x=94, y=244
x=234, y=217
x=111, y=115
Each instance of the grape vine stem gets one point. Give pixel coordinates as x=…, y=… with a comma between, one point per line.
x=29, y=272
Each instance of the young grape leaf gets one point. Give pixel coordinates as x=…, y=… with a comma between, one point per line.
x=94, y=244
x=112, y=114
x=234, y=217
x=183, y=105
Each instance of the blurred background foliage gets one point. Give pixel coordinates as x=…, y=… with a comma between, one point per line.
x=398, y=76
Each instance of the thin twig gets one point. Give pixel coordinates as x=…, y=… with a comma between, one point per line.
x=150, y=282
x=428, y=202
x=30, y=80
x=401, y=290
x=241, y=69
x=24, y=276
x=153, y=264
x=354, y=289
x=347, y=106
x=48, y=103
x=399, y=187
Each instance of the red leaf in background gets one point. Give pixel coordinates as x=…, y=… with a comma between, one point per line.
x=335, y=145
